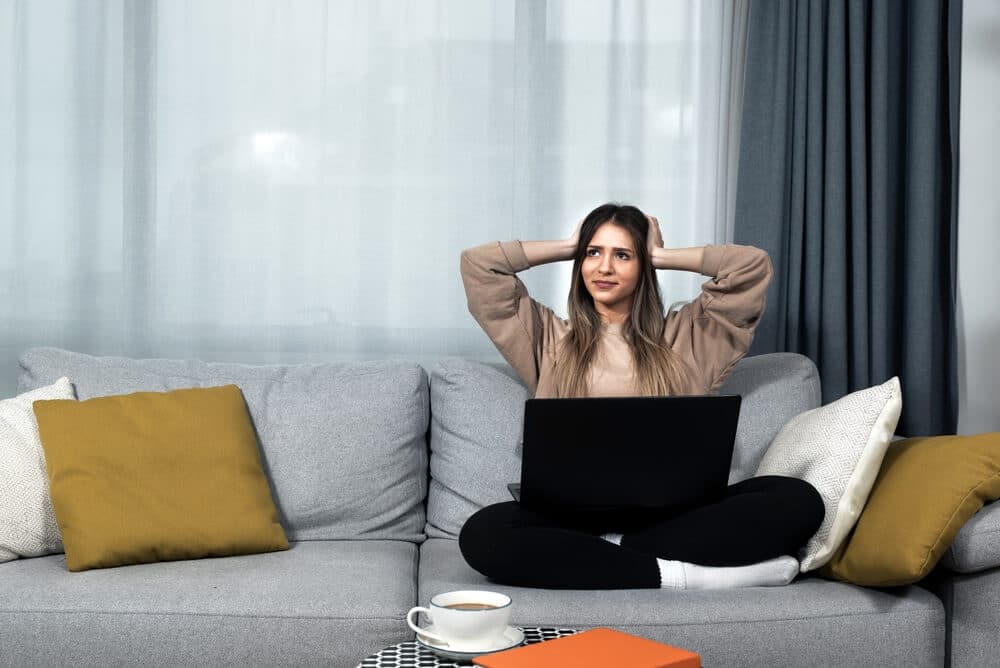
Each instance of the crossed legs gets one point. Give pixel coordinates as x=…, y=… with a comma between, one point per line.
x=755, y=520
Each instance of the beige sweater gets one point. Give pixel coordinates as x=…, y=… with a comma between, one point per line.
x=711, y=333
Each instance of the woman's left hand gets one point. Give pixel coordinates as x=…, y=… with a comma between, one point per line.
x=654, y=238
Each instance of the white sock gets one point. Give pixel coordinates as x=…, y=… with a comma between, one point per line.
x=770, y=573
x=615, y=538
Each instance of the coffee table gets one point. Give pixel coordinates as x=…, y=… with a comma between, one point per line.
x=411, y=655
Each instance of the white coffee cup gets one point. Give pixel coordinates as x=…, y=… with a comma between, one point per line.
x=466, y=620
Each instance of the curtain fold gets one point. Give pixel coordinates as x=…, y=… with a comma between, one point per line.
x=138, y=175
x=848, y=178
x=733, y=62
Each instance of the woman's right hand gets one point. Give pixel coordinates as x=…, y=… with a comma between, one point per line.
x=654, y=237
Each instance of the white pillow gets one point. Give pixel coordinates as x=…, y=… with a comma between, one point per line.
x=838, y=448
x=27, y=523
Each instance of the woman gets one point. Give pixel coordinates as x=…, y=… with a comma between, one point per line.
x=618, y=342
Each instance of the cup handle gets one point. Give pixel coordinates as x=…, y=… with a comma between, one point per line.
x=424, y=632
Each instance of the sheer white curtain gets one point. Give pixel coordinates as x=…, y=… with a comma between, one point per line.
x=273, y=180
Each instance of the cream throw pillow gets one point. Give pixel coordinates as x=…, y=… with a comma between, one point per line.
x=27, y=523
x=838, y=448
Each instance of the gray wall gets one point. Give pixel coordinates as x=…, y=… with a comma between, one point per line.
x=979, y=220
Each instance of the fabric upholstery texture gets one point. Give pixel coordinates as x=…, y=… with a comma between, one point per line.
x=339, y=600
x=837, y=448
x=476, y=429
x=970, y=603
x=812, y=622
x=478, y=414
x=925, y=492
x=27, y=523
x=157, y=476
x=775, y=388
x=343, y=444
x=977, y=545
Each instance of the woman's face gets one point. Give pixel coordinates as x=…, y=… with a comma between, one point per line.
x=610, y=271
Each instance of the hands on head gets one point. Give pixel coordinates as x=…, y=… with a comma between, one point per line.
x=575, y=237
x=542, y=252
x=654, y=238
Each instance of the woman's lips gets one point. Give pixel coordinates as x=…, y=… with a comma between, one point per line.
x=605, y=285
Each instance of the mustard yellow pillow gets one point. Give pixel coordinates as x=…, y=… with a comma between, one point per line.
x=925, y=491
x=157, y=476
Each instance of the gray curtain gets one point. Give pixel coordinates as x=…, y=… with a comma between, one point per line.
x=848, y=178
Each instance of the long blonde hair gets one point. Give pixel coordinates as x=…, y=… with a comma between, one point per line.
x=658, y=369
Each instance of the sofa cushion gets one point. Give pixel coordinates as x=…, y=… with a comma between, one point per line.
x=478, y=413
x=926, y=490
x=973, y=616
x=27, y=522
x=157, y=476
x=327, y=603
x=977, y=545
x=837, y=448
x=775, y=388
x=344, y=444
x=812, y=622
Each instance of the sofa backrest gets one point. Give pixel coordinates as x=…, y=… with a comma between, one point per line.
x=477, y=412
x=775, y=388
x=344, y=444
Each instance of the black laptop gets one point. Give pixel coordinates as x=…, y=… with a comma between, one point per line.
x=600, y=455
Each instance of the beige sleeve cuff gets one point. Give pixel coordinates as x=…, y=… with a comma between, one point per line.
x=711, y=260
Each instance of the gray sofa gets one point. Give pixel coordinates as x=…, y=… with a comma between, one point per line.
x=374, y=466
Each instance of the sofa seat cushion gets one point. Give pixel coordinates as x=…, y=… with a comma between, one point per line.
x=804, y=624
x=344, y=444
x=973, y=615
x=319, y=603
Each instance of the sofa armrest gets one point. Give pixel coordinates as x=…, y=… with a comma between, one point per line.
x=977, y=545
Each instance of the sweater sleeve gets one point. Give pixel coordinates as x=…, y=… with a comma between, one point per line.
x=519, y=327
x=714, y=331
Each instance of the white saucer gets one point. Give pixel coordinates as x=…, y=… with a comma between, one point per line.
x=511, y=637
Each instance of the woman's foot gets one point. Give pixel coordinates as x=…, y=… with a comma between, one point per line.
x=770, y=573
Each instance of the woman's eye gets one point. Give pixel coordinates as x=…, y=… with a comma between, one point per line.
x=592, y=252
x=622, y=255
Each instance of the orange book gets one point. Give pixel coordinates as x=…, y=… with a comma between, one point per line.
x=596, y=648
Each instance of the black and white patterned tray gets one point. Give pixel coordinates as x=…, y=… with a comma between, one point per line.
x=411, y=655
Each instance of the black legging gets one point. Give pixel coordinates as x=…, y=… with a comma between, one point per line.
x=755, y=520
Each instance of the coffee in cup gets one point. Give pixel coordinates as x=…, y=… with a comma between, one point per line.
x=464, y=621
x=470, y=606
